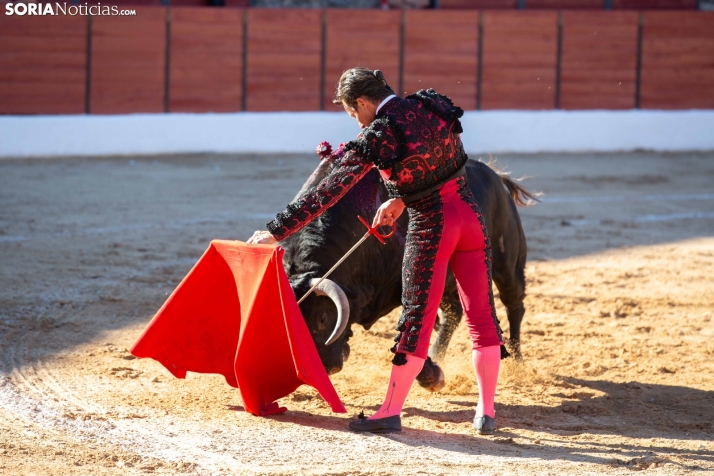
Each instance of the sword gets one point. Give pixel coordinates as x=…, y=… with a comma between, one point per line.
x=370, y=231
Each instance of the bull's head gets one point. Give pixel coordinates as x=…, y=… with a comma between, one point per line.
x=315, y=248
x=326, y=314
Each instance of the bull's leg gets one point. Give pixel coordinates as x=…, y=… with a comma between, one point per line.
x=515, y=317
x=511, y=285
x=431, y=376
x=451, y=314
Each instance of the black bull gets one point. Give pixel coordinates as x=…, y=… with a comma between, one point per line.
x=371, y=276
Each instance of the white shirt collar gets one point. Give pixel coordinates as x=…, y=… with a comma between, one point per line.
x=385, y=101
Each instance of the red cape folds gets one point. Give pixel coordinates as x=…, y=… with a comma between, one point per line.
x=235, y=314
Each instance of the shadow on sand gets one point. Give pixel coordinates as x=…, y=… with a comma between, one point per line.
x=632, y=410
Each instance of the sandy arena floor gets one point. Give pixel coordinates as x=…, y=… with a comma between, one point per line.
x=618, y=335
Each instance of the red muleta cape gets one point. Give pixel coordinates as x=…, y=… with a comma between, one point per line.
x=235, y=314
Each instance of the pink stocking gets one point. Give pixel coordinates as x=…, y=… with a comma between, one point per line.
x=487, y=361
x=399, y=384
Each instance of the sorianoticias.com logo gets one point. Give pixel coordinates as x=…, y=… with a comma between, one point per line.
x=64, y=9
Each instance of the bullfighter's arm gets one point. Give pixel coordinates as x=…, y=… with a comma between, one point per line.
x=351, y=164
x=349, y=168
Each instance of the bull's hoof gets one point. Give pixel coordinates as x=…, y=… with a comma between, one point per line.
x=515, y=349
x=431, y=377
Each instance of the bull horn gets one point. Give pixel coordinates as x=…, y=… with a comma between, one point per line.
x=333, y=291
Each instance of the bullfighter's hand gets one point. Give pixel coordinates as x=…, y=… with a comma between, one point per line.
x=262, y=238
x=388, y=212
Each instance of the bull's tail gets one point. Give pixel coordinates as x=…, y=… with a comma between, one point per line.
x=519, y=193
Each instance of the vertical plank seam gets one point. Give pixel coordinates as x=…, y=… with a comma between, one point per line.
x=402, y=41
x=167, y=61
x=559, y=60
x=244, y=66
x=479, y=61
x=638, y=70
x=88, y=76
x=323, y=59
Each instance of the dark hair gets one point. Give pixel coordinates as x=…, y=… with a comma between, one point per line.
x=361, y=82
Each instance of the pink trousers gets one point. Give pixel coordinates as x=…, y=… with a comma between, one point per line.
x=446, y=229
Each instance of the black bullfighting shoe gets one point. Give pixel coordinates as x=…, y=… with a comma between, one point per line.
x=378, y=425
x=485, y=425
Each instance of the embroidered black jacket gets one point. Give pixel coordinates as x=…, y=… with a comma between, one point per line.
x=414, y=142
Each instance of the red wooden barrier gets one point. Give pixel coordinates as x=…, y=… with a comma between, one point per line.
x=206, y=65
x=128, y=63
x=43, y=64
x=519, y=60
x=441, y=52
x=476, y=4
x=654, y=4
x=563, y=4
x=361, y=38
x=599, y=60
x=284, y=60
x=677, y=60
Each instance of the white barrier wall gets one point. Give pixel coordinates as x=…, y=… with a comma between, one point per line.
x=484, y=132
